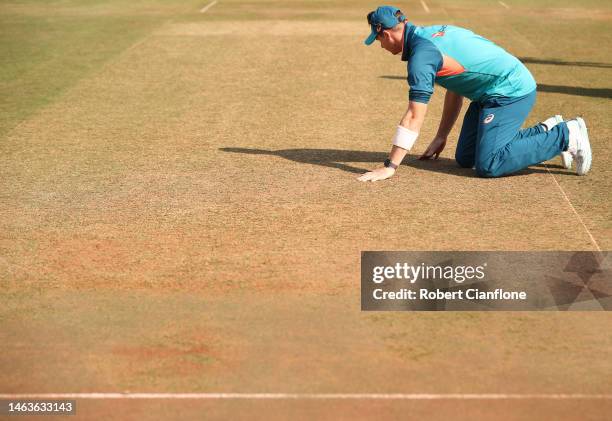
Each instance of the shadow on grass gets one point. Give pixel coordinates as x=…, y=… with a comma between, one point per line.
x=558, y=89
x=393, y=77
x=337, y=158
x=555, y=62
x=577, y=90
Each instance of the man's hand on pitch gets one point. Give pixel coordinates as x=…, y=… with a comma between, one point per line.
x=378, y=174
x=434, y=149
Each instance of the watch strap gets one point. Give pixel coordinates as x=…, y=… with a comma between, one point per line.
x=390, y=164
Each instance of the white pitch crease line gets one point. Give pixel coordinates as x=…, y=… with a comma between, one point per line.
x=574, y=209
x=312, y=396
x=425, y=6
x=504, y=4
x=208, y=6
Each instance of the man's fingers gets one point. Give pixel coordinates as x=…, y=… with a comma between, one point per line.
x=378, y=174
x=366, y=177
x=371, y=176
x=433, y=150
x=379, y=177
x=440, y=149
x=429, y=153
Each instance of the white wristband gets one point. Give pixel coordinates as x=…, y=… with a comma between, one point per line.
x=404, y=138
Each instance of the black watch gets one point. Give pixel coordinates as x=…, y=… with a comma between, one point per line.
x=390, y=164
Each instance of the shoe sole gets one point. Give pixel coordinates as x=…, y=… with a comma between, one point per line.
x=566, y=159
x=584, y=155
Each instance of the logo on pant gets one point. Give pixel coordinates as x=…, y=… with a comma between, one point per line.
x=488, y=118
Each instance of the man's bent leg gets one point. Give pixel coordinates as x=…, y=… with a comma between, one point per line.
x=532, y=131
x=465, y=154
x=500, y=150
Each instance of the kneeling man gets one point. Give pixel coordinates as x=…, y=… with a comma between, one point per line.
x=502, y=91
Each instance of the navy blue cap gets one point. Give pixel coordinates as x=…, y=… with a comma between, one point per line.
x=385, y=17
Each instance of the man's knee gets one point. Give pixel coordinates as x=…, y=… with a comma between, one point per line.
x=488, y=169
x=464, y=161
x=485, y=173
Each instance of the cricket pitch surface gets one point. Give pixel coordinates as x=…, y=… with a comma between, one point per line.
x=179, y=214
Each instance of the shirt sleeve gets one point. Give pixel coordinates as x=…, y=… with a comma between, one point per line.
x=424, y=62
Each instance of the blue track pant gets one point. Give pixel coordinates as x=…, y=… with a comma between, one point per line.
x=492, y=141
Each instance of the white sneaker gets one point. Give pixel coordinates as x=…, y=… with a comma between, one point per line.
x=579, y=146
x=549, y=123
x=566, y=160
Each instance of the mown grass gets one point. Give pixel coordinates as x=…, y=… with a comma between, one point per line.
x=46, y=47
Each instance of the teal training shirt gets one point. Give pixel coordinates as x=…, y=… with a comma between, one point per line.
x=462, y=62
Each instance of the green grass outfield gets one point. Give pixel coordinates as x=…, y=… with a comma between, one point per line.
x=179, y=210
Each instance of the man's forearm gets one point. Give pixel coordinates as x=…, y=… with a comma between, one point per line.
x=452, y=106
x=413, y=121
x=397, y=154
x=414, y=117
